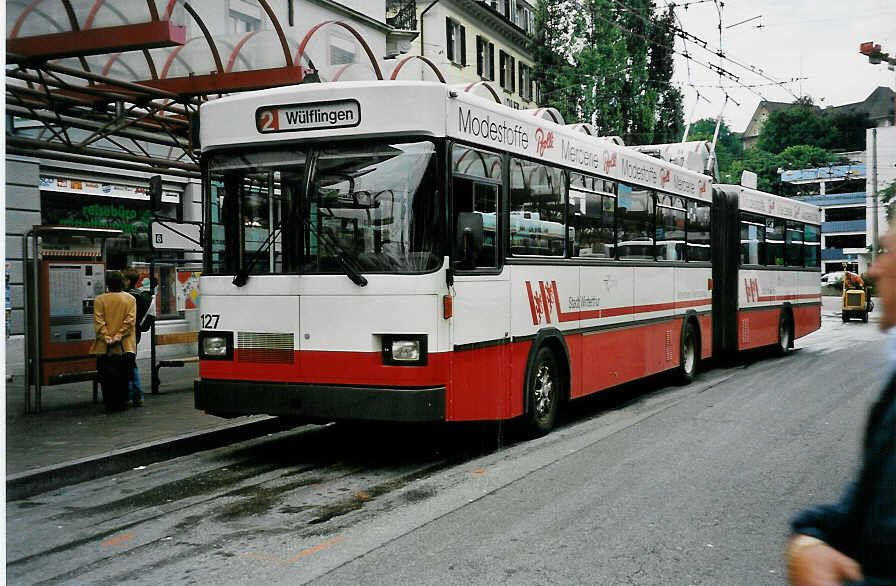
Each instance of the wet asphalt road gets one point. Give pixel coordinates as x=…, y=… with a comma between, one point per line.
x=649, y=484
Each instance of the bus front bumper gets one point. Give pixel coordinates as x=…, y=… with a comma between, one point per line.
x=227, y=398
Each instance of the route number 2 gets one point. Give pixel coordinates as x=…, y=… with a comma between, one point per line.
x=209, y=320
x=267, y=121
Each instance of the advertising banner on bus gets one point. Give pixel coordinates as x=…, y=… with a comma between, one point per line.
x=539, y=139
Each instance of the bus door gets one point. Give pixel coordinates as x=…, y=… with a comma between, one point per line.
x=480, y=326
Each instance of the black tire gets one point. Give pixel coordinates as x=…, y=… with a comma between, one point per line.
x=543, y=384
x=785, y=335
x=844, y=316
x=865, y=317
x=689, y=356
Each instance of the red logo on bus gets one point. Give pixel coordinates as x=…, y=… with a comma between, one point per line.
x=664, y=176
x=542, y=300
x=544, y=141
x=752, y=286
x=609, y=161
x=703, y=187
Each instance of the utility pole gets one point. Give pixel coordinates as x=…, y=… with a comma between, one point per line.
x=876, y=57
x=874, y=220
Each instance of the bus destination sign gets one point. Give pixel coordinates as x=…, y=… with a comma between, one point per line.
x=310, y=116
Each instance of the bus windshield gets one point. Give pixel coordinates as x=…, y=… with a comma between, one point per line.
x=373, y=206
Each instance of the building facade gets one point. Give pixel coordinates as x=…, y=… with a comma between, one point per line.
x=845, y=195
x=471, y=41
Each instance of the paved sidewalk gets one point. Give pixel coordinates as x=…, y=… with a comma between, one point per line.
x=72, y=439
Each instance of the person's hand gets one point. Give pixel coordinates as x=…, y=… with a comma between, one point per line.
x=815, y=563
x=117, y=338
x=108, y=339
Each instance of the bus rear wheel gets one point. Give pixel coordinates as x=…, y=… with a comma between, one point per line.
x=687, y=366
x=543, y=393
x=785, y=335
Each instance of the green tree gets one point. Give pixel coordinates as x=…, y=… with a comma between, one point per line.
x=610, y=64
x=763, y=163
x=850, y=130
x=669, y=112
x=804, y=156
x=552, y=72
x=801, y=123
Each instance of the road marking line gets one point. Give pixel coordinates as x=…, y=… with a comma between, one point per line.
x=315, y=549
x=117, y=540
x=478, y=473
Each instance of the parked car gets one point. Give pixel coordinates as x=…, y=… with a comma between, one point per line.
x=832, y=278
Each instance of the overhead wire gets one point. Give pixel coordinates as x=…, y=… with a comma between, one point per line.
x=684, y=35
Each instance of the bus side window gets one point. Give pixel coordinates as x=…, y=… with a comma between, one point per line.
x=774, y=242
x=591, y=209
x=699, y=231
x=636, y=230
x=537, y=204
x=476, y=193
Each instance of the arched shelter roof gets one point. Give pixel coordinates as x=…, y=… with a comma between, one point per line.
x=124, y=70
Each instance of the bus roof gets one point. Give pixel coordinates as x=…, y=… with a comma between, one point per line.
x=753, y=200
x=371, y=109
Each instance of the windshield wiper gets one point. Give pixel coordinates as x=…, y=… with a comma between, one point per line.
x=242, y=275
x=348, y=267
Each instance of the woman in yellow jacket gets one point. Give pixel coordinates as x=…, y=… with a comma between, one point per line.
x=114, y=317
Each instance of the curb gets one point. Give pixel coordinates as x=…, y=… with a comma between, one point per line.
x=33, y=482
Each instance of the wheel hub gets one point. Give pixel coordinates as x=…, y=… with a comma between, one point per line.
x=544, y=391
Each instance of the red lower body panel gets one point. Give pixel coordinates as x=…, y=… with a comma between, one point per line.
x=758, y=328
x=483, y=383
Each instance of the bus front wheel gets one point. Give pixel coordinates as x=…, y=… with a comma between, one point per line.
x=543, y=393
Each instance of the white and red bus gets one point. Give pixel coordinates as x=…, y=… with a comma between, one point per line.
x=405, y=251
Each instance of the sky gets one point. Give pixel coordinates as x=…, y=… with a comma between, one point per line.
x=817, y=41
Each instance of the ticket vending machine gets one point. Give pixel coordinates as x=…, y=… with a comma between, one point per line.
x=65, y=272
x=66, y=320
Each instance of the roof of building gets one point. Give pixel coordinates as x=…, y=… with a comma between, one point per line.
x=879, y=104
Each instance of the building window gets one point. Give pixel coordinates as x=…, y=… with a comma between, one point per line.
x=342, y=50
x=243, y=23
x=507, y=66
x=525, y=82
x=455, y=39
x=485, y=58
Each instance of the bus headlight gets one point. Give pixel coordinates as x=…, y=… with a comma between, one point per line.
x=216, y=345
x=404, y=350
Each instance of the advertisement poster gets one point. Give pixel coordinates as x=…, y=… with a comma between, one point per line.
x=187, y=290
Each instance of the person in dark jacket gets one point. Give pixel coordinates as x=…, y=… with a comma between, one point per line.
x=854, y=540
x=144, y=322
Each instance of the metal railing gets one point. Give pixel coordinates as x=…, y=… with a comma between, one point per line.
x=405, y=15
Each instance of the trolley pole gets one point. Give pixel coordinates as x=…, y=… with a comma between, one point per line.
x=874, y=210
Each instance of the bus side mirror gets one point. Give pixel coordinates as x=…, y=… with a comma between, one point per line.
x=155, y=193
x=469, y=238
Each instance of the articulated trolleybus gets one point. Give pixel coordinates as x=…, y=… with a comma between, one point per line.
x=405, y=251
